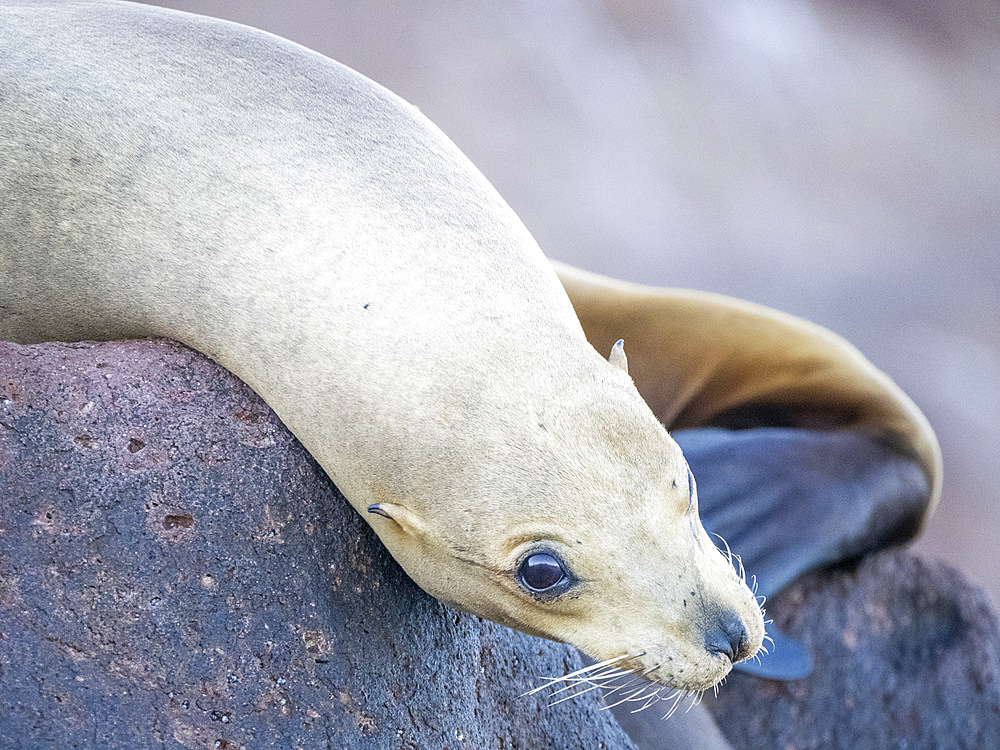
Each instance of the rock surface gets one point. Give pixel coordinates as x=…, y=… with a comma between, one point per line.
x=176, y=572
x=907, y=655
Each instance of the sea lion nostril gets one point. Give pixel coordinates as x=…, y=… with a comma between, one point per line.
x=728, y=637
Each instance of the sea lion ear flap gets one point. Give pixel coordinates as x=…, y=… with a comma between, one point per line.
x=403, y=517
x=617, y=356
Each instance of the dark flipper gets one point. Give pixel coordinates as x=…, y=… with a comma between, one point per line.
x=785, y=659
x=789, y=499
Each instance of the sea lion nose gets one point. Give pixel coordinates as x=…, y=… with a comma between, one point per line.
x=728, y=637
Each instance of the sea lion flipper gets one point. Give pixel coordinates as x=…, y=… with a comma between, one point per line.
x=785, y=659
x=788, y=500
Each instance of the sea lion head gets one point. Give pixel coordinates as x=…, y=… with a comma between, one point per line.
x=581, y=525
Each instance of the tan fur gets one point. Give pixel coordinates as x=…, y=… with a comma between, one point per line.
x=174, y=176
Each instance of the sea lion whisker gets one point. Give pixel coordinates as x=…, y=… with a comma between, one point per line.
x=575, y=683
x=730, y=556
x=631, y=682
x=610, y=683
x=571, y=696
x=608, y=689
x=693, y=695
x=640, y=681
x=549, y=681
x=623, y=686
x=629, y=697
x=729, y=552
x=607, y=662
x=611, y=674
x=648, y=690
x=651, y=691
x=600, y=680
x=696, y=700
x=677, y=701
x=576, y=679
x=603, y=682
x=635, y=679
x=742, y=571
x=653, y=697
x=597, y=679
x=616, y=703
x=613, y=687
x=639, y=694
x=608, y=678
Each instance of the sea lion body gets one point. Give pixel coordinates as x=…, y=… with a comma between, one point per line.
x=164, y=174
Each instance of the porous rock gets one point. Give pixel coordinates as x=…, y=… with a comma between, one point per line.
x=176, y=572
x=906, y=653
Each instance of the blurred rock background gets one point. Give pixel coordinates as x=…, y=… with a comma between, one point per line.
x=836, y=159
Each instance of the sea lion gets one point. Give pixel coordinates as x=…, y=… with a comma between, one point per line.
x=170, y=175
x=165, y=174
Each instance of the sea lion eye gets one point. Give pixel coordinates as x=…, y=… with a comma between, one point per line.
x=541, y=571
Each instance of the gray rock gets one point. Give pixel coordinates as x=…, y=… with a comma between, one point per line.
x=176, y=572
x=907, y=655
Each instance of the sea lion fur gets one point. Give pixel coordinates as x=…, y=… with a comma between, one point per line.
x=170, y=175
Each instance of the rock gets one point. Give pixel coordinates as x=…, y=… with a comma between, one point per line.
x=907, y=655
x=176, y=572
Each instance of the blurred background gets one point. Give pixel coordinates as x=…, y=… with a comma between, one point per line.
x=836, y=159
